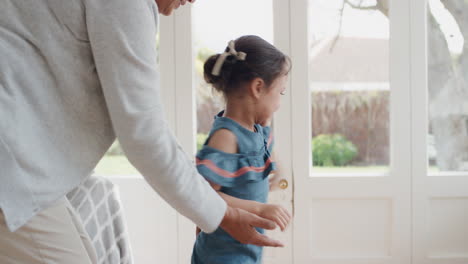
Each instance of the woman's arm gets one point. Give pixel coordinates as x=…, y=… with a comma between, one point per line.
x=122, y=39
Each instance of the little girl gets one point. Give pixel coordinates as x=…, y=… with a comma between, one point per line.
x=237, y=156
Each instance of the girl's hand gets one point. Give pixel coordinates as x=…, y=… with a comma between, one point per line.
x=198, y=231
x=275, y=213
x=273, y=181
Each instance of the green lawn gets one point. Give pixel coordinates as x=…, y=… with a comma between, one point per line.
x=115, y=165
x=119, y=165
x=359, y=169
x=350, y=169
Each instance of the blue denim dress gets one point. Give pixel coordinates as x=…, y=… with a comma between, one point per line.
x=243, y=175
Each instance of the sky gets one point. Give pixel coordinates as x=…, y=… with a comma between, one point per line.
x=215, y=22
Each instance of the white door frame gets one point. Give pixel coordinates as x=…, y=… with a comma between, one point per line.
x=283, y=141
x=179, y=100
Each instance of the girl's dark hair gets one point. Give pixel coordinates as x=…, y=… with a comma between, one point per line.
x=263, y=60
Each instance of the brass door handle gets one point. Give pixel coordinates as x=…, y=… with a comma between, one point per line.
x=283, y=184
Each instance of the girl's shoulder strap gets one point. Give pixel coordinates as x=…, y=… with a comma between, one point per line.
x=223, y=123
x=243, y=135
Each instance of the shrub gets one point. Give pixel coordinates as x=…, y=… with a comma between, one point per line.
x=201, y=140
x=332, y=150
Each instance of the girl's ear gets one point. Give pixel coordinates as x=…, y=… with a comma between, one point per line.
x=256, y=87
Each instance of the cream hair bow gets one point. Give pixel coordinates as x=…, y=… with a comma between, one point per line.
x=231, y=51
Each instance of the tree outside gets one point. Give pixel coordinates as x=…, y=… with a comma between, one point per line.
x=447, y=84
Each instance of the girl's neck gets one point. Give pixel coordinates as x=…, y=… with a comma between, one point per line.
x=241, y=113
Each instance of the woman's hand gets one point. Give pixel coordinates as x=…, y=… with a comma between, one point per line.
x=240, y=225
x=275, y=213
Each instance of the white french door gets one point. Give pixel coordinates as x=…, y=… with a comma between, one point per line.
x=418, y=211
x=440, y=197
x=400, y=213
x=353, y=217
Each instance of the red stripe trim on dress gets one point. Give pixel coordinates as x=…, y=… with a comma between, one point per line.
x=270, y=139
x=224, y=173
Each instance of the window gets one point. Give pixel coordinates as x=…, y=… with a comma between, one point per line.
x=349, y=87
x=212, y=30
x=447, y=86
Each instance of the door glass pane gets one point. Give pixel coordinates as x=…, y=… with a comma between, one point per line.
x=215, y=23
x=349, y=87
x=447, y=31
